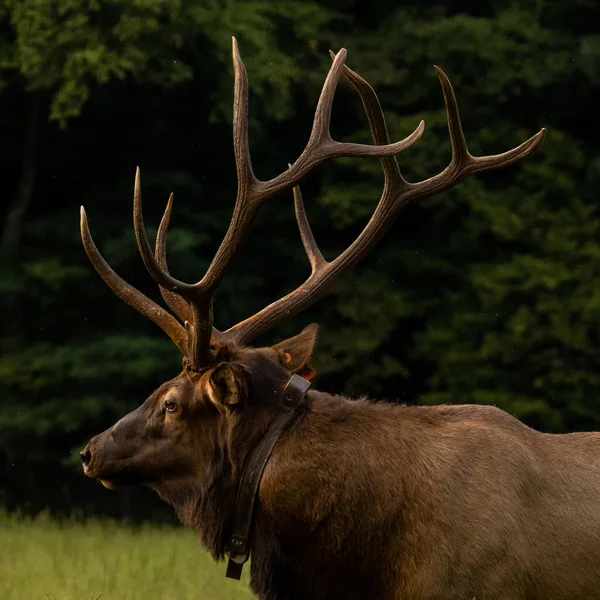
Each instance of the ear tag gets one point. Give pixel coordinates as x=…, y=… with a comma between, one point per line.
x=288, y=357
x=307, y=372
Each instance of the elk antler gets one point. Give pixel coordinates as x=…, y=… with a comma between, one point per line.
x=175, y=302
x=196, y=299
x=128, y=293
x=397, y=194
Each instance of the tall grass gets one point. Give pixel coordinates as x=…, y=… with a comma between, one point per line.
x=104, y=560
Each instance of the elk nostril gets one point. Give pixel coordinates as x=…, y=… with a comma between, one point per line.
x=86, y=457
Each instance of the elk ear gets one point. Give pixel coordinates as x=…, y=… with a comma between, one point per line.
x=226, y=386
x=294, y=353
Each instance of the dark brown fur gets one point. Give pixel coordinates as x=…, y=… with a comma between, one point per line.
x=368, y=500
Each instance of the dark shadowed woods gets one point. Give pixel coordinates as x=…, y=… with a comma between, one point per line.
x=488, y=293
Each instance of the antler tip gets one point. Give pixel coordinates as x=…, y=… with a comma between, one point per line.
x=443, y=77
x=537, y=139
x=83, y=225
x=168, y=208
x=82, y=220
x=339, y=56
x=234, y=48
x=137, y=185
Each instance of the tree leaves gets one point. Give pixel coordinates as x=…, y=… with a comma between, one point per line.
x=487, y=293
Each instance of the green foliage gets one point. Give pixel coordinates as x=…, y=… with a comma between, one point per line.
x=68, y=47
x=483, y=294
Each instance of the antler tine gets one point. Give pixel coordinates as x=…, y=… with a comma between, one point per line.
x=397, y=194
x=241, y=149
x=245, y=207
x=174, y=301
x=199, y=329
x=375, y=118
x=308, y=239
x=321, y=146
x=463, y=163
x=128, y=293
x=458, y=142
x=160, y=275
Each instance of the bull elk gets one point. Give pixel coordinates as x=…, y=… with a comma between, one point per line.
x=342, y=498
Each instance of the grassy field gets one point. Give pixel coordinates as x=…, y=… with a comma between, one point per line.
x=102, y=560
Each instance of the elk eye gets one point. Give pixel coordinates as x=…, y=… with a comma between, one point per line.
x=170, y=406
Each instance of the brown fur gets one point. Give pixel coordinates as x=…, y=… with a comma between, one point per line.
x=368, y=500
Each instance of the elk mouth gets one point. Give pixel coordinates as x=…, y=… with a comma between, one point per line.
x=120, y=480
x=113, y=479
x=115, y=483
x=113, y=469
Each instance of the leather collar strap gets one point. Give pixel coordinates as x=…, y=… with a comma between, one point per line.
x=238, y=546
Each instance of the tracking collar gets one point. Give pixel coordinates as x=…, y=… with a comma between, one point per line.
x=238, y=545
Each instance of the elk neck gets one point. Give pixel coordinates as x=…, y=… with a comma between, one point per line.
x=218, y=503
x=239, y=543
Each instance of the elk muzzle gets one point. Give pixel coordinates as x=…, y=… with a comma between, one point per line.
x=111, y=456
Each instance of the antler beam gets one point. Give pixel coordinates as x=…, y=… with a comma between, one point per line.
x=128, y=293
x=396, y=196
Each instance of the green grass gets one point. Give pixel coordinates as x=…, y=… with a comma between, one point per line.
x=104, y=560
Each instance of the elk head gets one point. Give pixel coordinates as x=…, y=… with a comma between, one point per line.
x=173, y=437
x=209, y=414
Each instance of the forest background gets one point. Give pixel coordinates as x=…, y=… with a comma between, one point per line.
x=489, y=293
